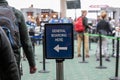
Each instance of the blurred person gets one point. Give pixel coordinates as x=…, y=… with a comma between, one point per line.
x=112, y=22
x=113, y=26
x=80, y=36
x=65, y=20
x=37, y=28
x=31, y=25
x=117, y=28
x=53, y=19
x=42, y=23
x=104, y=28
x=8, y=66
x=97, y=21
x=24, y=39
x=28, y=22
x=118, y=23
x=33, y=22
x=116, y=32
x=38, y=20
x=98, y=18
x=70, y=20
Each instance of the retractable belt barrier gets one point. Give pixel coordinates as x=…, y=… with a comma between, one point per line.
x=117, y=57
x=97, y=35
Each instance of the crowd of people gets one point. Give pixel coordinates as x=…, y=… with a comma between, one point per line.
x=104, y=26
x=36, y=25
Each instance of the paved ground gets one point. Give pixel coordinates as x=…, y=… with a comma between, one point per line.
x=73, y=70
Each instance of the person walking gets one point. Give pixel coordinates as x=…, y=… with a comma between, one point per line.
x=24, y=39
x=104, y=28
x=116, y=32
x=8, y=65
x=80, y=35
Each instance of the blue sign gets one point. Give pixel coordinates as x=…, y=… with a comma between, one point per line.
x=59, y=41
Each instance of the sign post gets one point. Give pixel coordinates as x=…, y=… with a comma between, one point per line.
x=59, y=45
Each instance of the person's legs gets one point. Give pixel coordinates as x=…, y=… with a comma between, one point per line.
x=115, y=48
x=18, y=59
x=105, y=49
x=79, y=40
x=98, y=51
x=86, y=45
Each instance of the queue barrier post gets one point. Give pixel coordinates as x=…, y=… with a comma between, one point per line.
x=117, y=63
x=100, y=48
x=83, y=57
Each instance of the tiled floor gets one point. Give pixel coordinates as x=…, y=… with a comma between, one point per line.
x=72, y=68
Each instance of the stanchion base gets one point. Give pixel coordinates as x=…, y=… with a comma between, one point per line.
x=45, y=62
x=43, y=71
x=56, y=79
x=115, y=78
x=101, y=67
x=83, y=62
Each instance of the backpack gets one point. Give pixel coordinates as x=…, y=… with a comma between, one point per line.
x=8, y=24
x=78, y=26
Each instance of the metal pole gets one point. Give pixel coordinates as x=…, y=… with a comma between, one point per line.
x=59, y=70
x=113, y=46
x=83, y=48
x=117, y=59
x=100, y=48
x=117, y=63
x=44, y=69
x=43, y=54
x=75, y=9
x=83, y=58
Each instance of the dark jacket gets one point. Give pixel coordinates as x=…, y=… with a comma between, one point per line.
x=24, y=37
x=8, y=65
x=85, y=23
x=103, y=25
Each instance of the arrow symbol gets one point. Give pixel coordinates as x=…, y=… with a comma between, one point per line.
x=58, y=48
